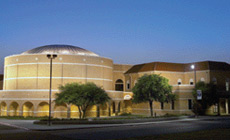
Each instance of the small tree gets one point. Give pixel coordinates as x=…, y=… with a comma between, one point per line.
x=209, y=97
x=81, y=95
x=151, y=88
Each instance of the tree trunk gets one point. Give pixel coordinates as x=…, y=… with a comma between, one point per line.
x=218, y=108
x=151, y=107
x=98, y=111
x=79, y=110
x=109, y=108
x=68, y=111
x=84, y=111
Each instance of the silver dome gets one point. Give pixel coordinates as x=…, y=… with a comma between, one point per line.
x=60, y=49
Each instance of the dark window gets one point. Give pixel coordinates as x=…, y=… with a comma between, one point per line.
x=119, y=85
x=162, y=105
x=179, y=81
x=214, y=80
x=191, y=83
x=227, y=86
x=173, y=107
x=189, y=104
x=128, y=85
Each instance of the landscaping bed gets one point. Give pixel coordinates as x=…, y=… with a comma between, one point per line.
x=111, y=120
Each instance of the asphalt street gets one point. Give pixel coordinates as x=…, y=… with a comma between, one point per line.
x=163, y=127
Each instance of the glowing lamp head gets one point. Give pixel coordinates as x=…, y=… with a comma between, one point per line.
x=193, y=67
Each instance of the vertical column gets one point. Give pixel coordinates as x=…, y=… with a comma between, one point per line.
x=8, y=109
x=17, y=78
x=21, y=110
x=116, y=108
x=5, y=76
x=35, y=110
x=37, y=77
x=226, y=105
x=52, y=109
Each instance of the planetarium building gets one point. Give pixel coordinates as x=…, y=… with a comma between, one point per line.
x=26, y=82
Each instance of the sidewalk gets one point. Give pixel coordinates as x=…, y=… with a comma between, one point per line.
x=28, y=124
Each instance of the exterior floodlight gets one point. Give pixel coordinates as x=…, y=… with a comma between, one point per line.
x=193, y=67
x=51, y=57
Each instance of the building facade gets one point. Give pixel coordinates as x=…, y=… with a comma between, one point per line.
x=25, y=88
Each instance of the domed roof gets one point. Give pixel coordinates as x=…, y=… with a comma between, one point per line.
x=60, y=49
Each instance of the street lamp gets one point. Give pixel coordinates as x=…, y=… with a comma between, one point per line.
x=51, y=57
x=194, y=68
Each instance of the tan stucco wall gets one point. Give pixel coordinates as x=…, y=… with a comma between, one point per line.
x=27, y=78
x=25, y=72
x=118, y=72
x=183, y=91
x=26, y=86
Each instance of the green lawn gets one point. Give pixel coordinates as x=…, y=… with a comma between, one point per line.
x=217, y=134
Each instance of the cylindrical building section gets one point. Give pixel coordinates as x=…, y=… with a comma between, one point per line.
x=27, y=79
x=31, y=70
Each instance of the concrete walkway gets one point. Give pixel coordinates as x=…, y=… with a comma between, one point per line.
x=28, y=124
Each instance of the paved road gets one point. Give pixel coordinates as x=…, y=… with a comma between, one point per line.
x=165, y=127
x=144, y=130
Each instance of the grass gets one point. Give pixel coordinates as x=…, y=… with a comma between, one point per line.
x=217, y=134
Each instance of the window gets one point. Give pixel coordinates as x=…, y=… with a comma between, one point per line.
x=162, y=105
x=173, y=105
x=227, y=84
x=119, y=85
x=189, y=103
x=179, y=82
x=191, y=81
x=128, y=84
x=214, y=80
x=202, y=79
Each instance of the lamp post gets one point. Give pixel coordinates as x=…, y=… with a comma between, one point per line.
x=51, y=57
x=194, y=68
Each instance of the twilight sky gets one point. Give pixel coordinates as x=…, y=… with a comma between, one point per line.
x=128, y=31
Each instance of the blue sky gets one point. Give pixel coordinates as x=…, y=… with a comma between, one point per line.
x=128, y=31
